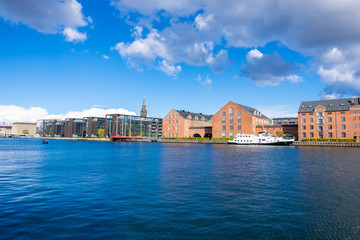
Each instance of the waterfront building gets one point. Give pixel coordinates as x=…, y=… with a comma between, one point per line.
x=5, y=131
x=128, y=126
x=234, y=118
x=184, y=124
x=53, y=128
x=23, y=128
x=94, y=126
x=74, y=128
x=333, y=119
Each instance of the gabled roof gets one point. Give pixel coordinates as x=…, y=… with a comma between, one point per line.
x=185, y=114
x=252, y=111
x=330, y=105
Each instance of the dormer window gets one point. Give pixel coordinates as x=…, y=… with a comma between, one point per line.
x=331, y=105
x=196, y=118
x=342, y=104
x=310, y=106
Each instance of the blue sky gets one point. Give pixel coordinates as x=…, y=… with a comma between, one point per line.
x=71, y=57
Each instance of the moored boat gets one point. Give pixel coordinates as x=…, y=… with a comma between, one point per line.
x=261, y=139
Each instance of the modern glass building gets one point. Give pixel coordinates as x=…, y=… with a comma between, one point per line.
x=119, y=125
x=74, y=128
x=92, y=125
x=53, y=128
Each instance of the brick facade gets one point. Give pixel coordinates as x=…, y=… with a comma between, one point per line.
x=342, y=122
x=185, y=124
x=234, y=118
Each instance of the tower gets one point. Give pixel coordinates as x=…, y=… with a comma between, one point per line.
x=143, y=112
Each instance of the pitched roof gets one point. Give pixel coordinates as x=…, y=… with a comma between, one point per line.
x=330, y=105
x=252, y=111
x=185, y=114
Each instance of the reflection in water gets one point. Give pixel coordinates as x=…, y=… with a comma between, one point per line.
x=141, y=190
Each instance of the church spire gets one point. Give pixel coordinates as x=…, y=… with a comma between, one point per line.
x=143, y=112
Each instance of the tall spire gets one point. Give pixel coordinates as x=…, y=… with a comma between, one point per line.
x=143, y=112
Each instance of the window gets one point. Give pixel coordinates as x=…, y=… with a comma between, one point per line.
x=329, y=119
x=223, y=120
x=303, y=114
x=172, y=121
x=311, y=127
x=239, y=120
x=172, y=135
x=311, y=135
x=320, y=128
x=343, y=119
x=231, y=127
x=168, y=134
x=172, y=115
x=329, y=113
x=176, y=121
x=222, y=135
x=231, y=120
x=172, y=128
x=311, y=114
x=330, y=135
x=303, y=127
x=238, y=112
x=320, y=121
x=330, y=127
x=354, y=126
x=303, y=120
x=231, y=111
x=311, y=120
x=168, y=128
x=343, y=126
x=359, y=118
x=223, y=113
x=353, y=111
x=176, y=135
x=342, y=112
x=223, y=127
x=169, y=121
x=175, y=128
x=169, y=116
x=175, y=116
x=304, y=135
x=238, y=127
x=354, y=133
x=231, y=135
x=354, y=118
x=343, y=135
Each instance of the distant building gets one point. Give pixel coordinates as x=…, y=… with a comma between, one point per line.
x=285, y=121
x=74, y=128
x=333, y=119
x=5, y=131
x=143, y=112
x=184, y=124
x=127, y=126
x=23, y=128
x=234, y=118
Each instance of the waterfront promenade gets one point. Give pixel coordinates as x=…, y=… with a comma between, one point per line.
x=189, y=141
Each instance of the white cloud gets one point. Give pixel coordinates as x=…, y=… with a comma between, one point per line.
x=326, y=30
x=330, y=96
x=137, y=32
x=46, y=16
x=207, y=81
x=203, y=23
x=106, y=57
x=254, y=54
x=11, y=113
x=170, y=70
x=73, y=35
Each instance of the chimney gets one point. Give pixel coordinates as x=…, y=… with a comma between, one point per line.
x=354, y=101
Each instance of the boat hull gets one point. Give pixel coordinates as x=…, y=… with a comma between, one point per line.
x=270, y=143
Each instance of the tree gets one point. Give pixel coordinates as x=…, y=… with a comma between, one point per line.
x=101, y=133
x=25, y=131
x=142, y=133
x=279, y=133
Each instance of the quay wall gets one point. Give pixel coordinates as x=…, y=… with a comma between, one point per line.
x=327, y=144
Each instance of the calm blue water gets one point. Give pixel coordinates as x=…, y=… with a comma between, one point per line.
x=85, y=190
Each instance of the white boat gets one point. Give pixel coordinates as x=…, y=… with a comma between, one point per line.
x=261, y=139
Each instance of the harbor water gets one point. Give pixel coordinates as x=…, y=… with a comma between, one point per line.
x=106, y=190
